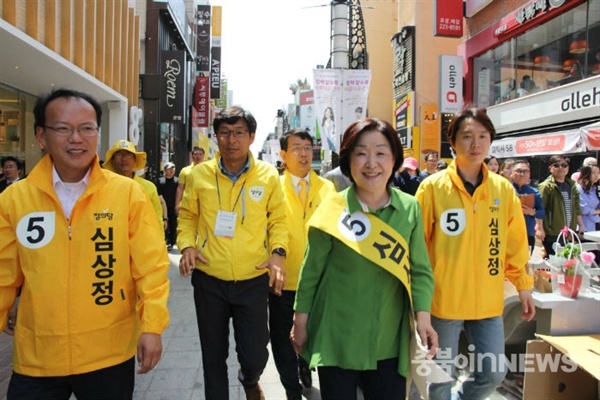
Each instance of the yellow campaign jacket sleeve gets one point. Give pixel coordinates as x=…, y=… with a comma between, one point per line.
x=11, y=275
x=516, y=257
x=189, y=213
x=276, y=226
x=150, y=266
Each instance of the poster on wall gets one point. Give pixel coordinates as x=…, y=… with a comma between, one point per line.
x=431, y=127
x=307, y=111
x=483, y=81
x=340, y=95
x=404, y=117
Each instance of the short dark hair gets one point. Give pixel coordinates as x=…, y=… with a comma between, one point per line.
x=478, y=114
x=39, y=111
x=299, y=132
x=197, y=148
x=232, y=115
x=353, y=133
x=558, y=158
x=11, y=158
x=431, y=153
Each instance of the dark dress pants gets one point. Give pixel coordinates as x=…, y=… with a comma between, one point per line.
x=245, y=302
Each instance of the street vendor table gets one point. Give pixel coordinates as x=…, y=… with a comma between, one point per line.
x=592, y=235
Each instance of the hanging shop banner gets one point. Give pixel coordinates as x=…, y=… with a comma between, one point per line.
x=567, y=142
x=403, y=68
x=431, y=127
x=308, y=116
x=215, y=54
x=404, y=115
x=339, y=96
x=591, y=136
x=448, y=18
x=172, y=88
x=451, y=84
x=201, y=103
x=203, y=39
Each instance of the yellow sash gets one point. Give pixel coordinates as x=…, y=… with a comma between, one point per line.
x=367, y=235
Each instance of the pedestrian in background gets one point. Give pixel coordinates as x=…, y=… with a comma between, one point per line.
x=340, y=181
x=531, y=201
x=492, y=163
x=506, y=168
x=587, y=162
x=588, y=198
x=11, y=171
x=407, y=178
x=475, y=235
x=303, y=192
x=561, y=202
x=77, y=241
x=441, y=165
x=125, y=160
x=197, y=158
x=231, y=232
x=355, y=299
x=431, y=160
x=167, y=189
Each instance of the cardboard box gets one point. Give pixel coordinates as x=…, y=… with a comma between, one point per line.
x=562, y=368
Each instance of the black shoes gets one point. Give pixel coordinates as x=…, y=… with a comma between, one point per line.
x=305, y=375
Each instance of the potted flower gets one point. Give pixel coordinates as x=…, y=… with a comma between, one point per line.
x=570, y=263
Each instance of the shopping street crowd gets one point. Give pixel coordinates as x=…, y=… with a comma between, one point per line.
x=337, y=274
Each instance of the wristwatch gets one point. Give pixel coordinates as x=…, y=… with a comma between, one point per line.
x=279, y=250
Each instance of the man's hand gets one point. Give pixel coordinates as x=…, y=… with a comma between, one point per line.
x=187, y=263
x=149, y=350
x=12, y=319
x=428, y=335
x=276, y=273
x=528, y=305
x=298, y=332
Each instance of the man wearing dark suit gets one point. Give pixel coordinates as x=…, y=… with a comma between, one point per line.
x=11, y=169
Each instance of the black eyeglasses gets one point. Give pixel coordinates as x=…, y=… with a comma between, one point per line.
x=521, y=171
x=560, y=165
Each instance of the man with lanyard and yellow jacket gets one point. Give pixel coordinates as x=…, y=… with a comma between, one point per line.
x=231, y=229
x=303, y=191
x=77, y=241
x=476, y=237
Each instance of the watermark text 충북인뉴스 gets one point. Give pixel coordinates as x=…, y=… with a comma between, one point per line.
x=516, y=363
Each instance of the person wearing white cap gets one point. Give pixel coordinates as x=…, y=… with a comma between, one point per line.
x=408, y=178
x=124, y=159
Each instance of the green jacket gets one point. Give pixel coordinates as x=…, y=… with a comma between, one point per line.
x=554, y=205
x=358, y=312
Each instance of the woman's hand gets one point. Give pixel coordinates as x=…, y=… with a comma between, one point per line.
x=298, y=332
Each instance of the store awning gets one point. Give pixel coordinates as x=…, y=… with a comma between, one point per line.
x=561, y=142
x=591, y=136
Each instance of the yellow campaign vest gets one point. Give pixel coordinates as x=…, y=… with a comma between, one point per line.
x=367, y=235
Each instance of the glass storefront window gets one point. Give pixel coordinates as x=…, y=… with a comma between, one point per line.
x=563, y=50
x=17, y=136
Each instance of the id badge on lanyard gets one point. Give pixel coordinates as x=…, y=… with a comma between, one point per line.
x=225, y=223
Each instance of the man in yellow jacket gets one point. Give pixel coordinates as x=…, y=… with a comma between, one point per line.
x=231, y=229
x=303, y=191
x=76, y=240
x=476, y=237
x=125, y=160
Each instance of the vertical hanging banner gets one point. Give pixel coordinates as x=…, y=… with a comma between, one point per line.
x=403, y=68
x=356, y=93
x=450, y=84
x=339, y=95
x=215, y=54
x=307, y=111
x=203, y=39
x=172, y=87
x=448, y=18
x=404, y=113
x=201, y=102
x=431, y=127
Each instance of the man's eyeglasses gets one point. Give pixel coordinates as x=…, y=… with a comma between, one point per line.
x=236, y=134
x=560, y=165
x=300, y=149
x=521, y=171
x=67, y=130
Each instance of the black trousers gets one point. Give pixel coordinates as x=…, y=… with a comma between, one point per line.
x=245, y=302
x=281, y=314
x=114, y=382
x=383, y=383
x=171, y=232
